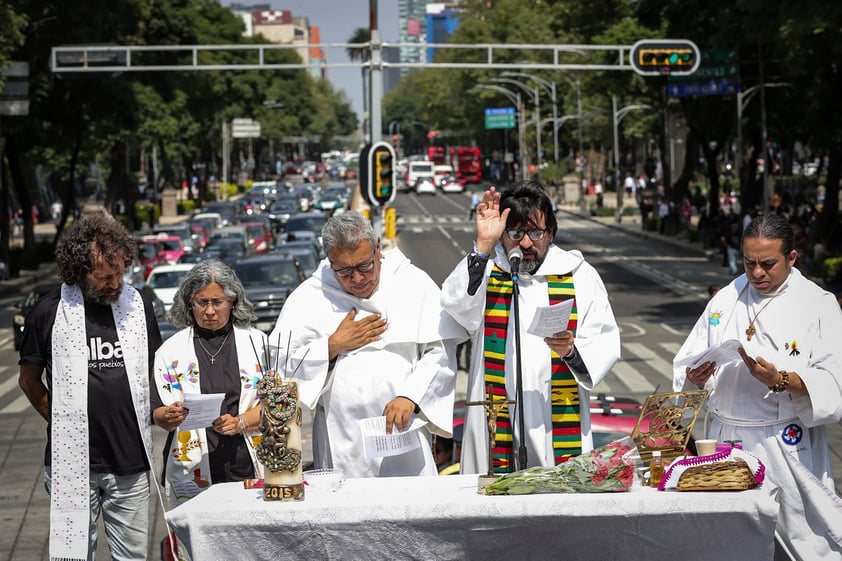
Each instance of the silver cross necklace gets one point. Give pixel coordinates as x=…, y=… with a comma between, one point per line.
x=219, y=350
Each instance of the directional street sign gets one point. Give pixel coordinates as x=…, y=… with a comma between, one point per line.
x=14, y=95
x=711, y=87
x=715, y=72
x=245, y=128
x=717, y=65
x=500, y=118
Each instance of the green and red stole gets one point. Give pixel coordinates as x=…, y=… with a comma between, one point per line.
x=566, y=415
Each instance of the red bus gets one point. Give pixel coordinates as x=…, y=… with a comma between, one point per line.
x=437, y=155
x=467, y=161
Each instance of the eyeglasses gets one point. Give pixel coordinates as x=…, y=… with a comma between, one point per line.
x=516, y=234
x=361, y=268
x=217, y=303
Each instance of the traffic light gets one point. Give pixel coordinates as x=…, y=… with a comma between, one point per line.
x=378, y=173
x=657, y=57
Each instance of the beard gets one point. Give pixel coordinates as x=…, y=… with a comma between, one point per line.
x=104, y=297
x=530, y=266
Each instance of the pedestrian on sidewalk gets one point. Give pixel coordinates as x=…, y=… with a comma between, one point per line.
x=95, y=337
x=474, y=203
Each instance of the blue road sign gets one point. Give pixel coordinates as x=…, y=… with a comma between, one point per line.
x=500, y=118
x=712, y=87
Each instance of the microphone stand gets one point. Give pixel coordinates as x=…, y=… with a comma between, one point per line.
x=521, y=450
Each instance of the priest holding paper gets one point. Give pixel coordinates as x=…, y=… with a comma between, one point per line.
x=373, y=354
x=569, y=338
x=783, y=387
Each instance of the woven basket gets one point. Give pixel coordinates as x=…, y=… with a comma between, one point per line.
x=718, y=476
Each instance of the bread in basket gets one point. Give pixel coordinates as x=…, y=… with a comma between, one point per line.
x=732, y=470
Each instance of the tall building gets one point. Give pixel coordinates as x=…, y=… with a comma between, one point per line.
x=280, y=26
x=424, y=21
x=442, y=21
x=412, y=28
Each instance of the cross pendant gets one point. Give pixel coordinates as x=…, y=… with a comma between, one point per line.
x=750, y=332
x=213, y=360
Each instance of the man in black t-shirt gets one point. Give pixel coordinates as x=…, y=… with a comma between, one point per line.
x=94, y=338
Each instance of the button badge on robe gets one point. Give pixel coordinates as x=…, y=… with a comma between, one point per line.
x=792, y=434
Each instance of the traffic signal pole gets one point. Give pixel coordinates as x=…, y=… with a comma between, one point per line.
x=375, y=76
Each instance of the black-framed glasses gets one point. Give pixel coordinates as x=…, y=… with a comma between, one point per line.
x=516, y=234
x=362, y=268
x=217, y=303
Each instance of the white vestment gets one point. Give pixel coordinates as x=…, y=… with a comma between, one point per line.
x=187, y=469
x=597, y=342
x=415, y=358
x=797, y=329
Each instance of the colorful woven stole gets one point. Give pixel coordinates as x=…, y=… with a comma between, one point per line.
x=566, y=415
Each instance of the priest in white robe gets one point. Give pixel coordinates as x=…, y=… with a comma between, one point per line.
x=786, y=387
x=365, y=336
x=558, y=371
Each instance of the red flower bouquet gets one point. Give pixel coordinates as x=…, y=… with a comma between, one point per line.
x=604, y=470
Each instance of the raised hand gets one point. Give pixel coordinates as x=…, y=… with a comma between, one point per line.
x=491, y=223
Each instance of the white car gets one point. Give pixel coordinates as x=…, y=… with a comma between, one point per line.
x=450, y=184
x=425, y=185
x=164, y=280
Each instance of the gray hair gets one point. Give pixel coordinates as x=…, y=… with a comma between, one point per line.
x=771, y=227
x=201, y=275
x=346, y=231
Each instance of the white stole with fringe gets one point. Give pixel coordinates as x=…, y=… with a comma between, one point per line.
x=70, y=494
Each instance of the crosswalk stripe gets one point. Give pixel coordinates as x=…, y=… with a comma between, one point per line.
x=7, y=386
x=628, y=377
x=19, y=405
x=672, y=348
x=652, y=360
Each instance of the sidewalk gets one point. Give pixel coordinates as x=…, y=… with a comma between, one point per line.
x=631, y=224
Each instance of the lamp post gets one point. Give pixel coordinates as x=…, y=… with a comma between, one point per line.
x=551, y=89
x=537, y=101
x=743, y=98
x=618, y=117
x=514, y=97
x=578, y=83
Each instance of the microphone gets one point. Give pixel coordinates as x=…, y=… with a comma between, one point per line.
x=515, y=256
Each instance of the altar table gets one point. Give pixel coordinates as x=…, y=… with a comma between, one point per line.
x=444, y=518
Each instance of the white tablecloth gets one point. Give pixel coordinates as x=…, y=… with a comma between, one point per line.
x=444, y=518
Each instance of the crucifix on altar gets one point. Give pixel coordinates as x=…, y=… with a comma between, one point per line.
x=492, y=409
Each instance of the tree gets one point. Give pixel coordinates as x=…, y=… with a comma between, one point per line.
x=361, y=36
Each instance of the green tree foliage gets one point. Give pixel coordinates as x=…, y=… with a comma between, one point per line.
x=112, y=120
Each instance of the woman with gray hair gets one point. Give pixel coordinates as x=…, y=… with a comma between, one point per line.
x=215, y=352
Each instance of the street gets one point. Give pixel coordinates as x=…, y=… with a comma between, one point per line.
x=657, y=290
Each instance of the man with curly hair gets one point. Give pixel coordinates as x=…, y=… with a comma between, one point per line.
x=95, y=337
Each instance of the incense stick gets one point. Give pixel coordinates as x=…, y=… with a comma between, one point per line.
x=291, y=376
x=256, y=355
x=289, y=342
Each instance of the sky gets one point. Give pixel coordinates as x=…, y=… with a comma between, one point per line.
x=337, y=20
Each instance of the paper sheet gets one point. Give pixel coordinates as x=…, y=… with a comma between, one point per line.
x=378, y=444
x=549, y=320
x=724, y=353
x=203, y=408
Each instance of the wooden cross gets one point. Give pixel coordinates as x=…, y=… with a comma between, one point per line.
x=492, y=409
